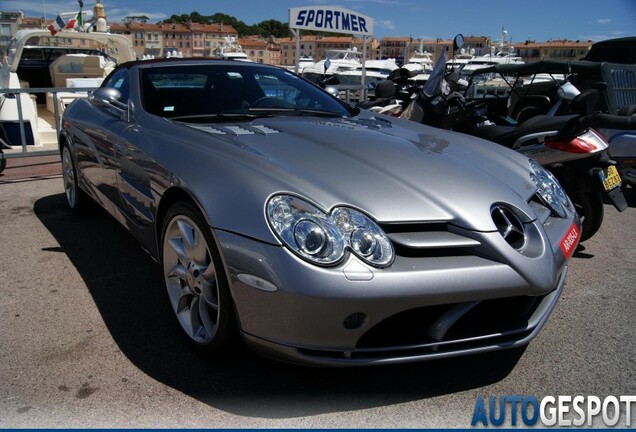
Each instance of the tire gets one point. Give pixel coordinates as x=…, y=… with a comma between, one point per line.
x=589, y=206
x=195, y=281
x=3, y=164
x=75, y=197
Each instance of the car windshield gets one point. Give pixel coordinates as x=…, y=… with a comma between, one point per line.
x=204, y=92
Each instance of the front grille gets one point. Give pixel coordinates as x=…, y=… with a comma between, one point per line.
x=495, y=316
x=420, y=240
x=495, y=322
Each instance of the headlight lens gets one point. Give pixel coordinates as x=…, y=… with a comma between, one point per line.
x=549, y=189
x=324, y=238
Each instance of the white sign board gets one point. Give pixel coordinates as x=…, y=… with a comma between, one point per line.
x=330, y=19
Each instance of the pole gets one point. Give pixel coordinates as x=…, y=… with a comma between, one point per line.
x=364, y=69
x=296, y=34
x=79, y=16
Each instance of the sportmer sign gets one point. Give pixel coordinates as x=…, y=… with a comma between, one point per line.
x=330, y=19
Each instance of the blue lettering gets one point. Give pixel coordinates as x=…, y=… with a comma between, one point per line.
x=502, y=411
x=479, y=414
x=363, y=25
x=328, y=18
x=345, y=21
x=354, y=23
x=514, y=401
x=301, y=18
x=319, y=18
x=337, y=15
x=310, y=17
x=529, y=401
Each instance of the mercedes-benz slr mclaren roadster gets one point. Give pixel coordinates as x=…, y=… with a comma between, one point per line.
x=314, y=231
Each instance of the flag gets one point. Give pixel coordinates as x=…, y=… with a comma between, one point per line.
x=73, y=22
x=57, y=25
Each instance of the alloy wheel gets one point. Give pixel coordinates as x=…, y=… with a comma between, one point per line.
x=191, y=279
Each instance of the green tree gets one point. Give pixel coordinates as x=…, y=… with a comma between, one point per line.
x=136, y=18
x=265, y=28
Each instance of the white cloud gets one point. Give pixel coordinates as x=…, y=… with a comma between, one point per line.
x=604, y=20
x=38, y=8
x=387, y=24
x=50, y=9
x=117, y=15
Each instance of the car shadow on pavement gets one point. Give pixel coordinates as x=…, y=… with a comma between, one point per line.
x=126, y=286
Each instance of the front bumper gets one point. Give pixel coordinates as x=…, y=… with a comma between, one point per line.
x=441, y=304
x=497, y=340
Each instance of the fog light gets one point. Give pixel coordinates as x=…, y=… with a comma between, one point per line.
x=355, y=321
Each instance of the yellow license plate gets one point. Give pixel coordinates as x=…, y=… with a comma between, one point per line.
x=610, y=177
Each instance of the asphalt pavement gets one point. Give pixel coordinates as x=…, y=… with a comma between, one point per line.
x=86, y=339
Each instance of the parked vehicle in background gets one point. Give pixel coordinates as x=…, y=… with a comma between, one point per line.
x=618, y=50
x=535, y=88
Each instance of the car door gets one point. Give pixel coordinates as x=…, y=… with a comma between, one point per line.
x=97, y=150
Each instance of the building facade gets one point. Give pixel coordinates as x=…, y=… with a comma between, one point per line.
x=205, y=40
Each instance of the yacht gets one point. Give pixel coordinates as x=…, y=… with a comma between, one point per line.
x=421, y=61
x=498, y=55
x=375, y=71
x=302, y=62
x=231, y=50
x=334, y=61
x=36, y=59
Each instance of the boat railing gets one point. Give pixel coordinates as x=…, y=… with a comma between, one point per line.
x=32, y=150
x=351, y=93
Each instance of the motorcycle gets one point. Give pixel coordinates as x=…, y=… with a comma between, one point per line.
x=566, y=145
x=550, y=86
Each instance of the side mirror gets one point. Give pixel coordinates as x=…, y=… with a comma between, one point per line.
x=458, y=42
x=108, y=96
x=333, y=91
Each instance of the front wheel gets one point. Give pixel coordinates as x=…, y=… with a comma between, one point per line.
x=195, y=280
x=3, y=163
x=75, y=197
x=589, y=206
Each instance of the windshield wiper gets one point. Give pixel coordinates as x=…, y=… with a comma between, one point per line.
x=296, y=112
x=219, y=116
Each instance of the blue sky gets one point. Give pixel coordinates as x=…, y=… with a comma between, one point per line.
x=539, y=20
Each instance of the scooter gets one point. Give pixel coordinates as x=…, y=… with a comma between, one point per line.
x=566, y=145
x=392, y=94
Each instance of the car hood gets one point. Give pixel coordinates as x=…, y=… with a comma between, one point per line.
x=395, y=170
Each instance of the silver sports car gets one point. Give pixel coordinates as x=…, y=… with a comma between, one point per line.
x=312, y=230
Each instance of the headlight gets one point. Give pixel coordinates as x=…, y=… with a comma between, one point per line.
x=549, y=189
x=324, y=238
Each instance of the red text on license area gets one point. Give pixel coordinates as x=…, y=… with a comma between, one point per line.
x=569, y=241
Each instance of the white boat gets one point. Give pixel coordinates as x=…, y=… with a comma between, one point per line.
x=334, y=61
x=83, y=60
x=495, y=57
x=303, y=61
x=375, y=71
x=498, y=55
x=231, y=50
x=421, y=61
